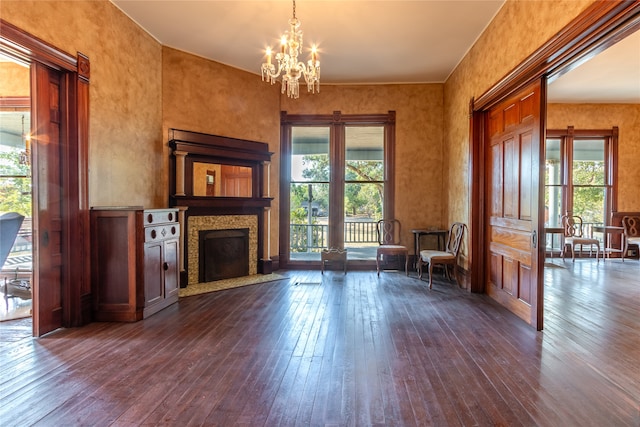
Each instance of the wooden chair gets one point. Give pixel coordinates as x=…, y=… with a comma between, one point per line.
x=631, y=225
x=446, y=258
x=574, y=236
x=389, y=239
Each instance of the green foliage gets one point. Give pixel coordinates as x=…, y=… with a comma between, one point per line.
x=360, y=199
x=15, y=193
x=316, y=167
x=588, y=202
x=588, y=191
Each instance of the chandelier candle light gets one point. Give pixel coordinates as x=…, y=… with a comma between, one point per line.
x=288, y=64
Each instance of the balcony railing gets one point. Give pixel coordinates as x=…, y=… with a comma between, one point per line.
x=308, y=238
x=360, y=232
x=314, y=237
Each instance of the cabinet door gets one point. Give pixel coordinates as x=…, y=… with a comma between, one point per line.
x=170, y=266
x=153, y=285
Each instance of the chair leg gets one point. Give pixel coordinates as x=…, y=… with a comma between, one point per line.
x=419, y=267
x=598, y=252
x=445, y=271
x=430, y=274
x=378, y=264
x=406, y=264
x=573, y=253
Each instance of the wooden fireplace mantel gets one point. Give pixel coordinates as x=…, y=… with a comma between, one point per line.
x=223, y=202
x=190, y=150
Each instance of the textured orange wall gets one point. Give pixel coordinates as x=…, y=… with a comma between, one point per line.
x=205, y=96
x=605, y=116
x=14, y=80
x=419, y=141
x=518, y=29
x=126, y=163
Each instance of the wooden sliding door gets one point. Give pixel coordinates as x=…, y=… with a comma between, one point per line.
x=513, y=156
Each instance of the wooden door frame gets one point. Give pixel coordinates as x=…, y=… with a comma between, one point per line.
x=26, y=48
x=598, y=27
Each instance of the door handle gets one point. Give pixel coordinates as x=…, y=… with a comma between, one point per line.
x=165, y=266
x=534, y=239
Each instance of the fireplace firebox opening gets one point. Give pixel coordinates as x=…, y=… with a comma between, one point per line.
x=223, y=254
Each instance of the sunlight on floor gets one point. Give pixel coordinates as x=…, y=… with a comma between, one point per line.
x=14, y=308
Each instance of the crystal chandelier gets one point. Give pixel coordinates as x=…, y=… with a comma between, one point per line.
x=288, y=64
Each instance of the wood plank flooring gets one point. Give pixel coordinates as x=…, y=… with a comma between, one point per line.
x=343, y=350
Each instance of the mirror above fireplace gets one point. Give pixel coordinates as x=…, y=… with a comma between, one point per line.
x=207, y=170
x=222, y=180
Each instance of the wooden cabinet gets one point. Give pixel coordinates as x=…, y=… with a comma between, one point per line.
x=134, y=266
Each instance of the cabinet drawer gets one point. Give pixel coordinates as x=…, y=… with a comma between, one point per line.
x=161, y=232
x=160, y=216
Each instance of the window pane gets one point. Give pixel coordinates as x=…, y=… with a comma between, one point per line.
x=308, y=229
x=364, y=148
x=588, y=203
x=310, y=154
x=553, y=169
x=588, y=162
x=553, y=206
x=362, y=210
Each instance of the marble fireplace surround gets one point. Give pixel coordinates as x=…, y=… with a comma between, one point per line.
x=195, y=224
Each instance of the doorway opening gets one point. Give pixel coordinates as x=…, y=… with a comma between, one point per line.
x=59, y=94
x=16, y=249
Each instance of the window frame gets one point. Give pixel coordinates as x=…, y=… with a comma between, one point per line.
x=337, y=122
x=567, y=138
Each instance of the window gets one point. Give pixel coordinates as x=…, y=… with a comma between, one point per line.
x=337, y=172
x=580, y=171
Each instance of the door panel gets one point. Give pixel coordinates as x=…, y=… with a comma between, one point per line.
x=47, y=207
x=153, y=284
x=513, y=272
x=171, y=287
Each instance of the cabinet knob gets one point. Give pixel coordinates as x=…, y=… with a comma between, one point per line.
x=165, y=266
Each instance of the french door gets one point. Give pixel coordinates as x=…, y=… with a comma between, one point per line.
x=337, y=182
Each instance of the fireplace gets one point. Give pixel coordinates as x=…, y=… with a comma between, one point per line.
x=223, y=254
x=200, y=161
x=210, y=225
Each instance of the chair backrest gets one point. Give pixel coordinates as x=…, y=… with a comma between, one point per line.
x=572, y=225
x=388, y=232
x=10, y=223
x=631, y=225
x=454, y=238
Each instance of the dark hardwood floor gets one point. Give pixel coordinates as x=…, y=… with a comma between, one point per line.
x=338, y=350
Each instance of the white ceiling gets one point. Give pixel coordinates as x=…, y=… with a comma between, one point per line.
x=367, y=42
x=359, y=41
x=611, y=76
